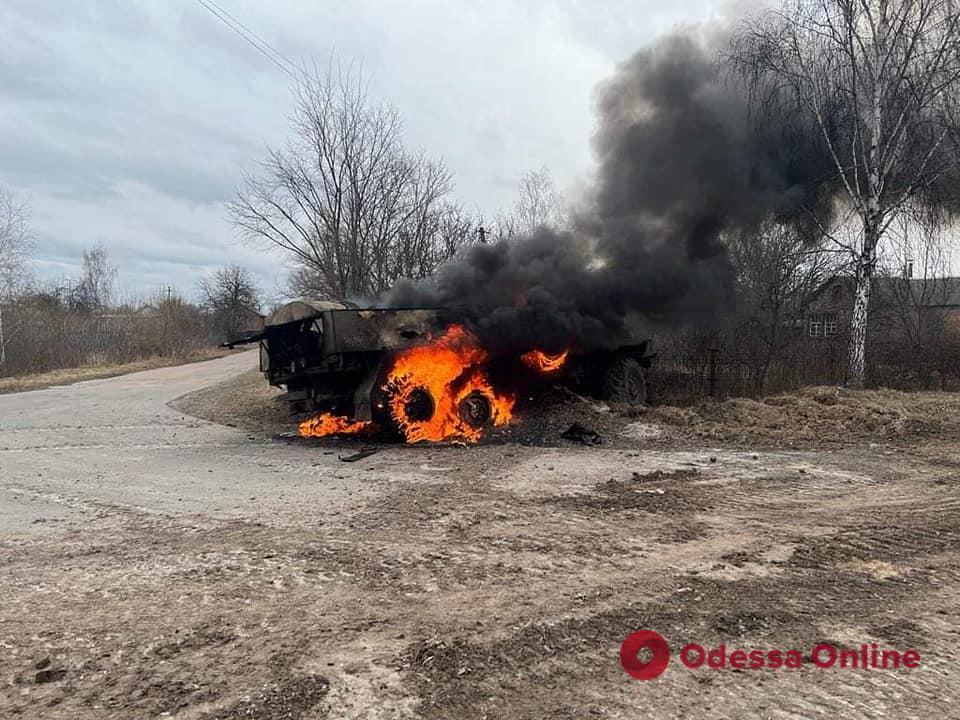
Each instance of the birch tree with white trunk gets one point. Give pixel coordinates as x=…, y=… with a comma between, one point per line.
x=879, y=79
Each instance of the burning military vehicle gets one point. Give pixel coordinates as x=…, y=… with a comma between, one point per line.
x=422, y=372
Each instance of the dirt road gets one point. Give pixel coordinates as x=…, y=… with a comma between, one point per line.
x=156, y=565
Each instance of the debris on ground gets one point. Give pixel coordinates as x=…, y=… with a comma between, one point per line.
x=364, y=453
x=583, y=435
x=542, y=420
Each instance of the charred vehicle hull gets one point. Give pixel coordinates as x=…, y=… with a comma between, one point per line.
x=334, y=358
x=330, y=356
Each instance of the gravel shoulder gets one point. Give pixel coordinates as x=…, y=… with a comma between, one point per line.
x=493, y=581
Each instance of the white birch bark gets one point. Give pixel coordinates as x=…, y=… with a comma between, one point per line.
x=3, y=342
x=871, y=214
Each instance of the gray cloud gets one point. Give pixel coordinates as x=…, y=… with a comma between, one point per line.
x=130, y=123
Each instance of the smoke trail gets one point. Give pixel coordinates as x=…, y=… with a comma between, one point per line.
x=681, y=159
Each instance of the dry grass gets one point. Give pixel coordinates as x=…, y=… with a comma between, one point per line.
x=67, y=376
x=821, y=416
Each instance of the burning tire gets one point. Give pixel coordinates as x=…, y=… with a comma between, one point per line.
x=625, y=383
x=419, y=406
x=475, y=410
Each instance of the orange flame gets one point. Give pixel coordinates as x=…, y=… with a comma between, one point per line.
x=542, y=362
x=449, y=371
x=327, y=424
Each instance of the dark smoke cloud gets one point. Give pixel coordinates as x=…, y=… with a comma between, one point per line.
x=681, y=160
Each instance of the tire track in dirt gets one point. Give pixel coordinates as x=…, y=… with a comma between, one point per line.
x=474, y=600
x=818, y=593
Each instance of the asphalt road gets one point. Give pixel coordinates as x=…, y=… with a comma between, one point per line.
x=66, y=452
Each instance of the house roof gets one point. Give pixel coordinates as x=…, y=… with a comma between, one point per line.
x=924, y=292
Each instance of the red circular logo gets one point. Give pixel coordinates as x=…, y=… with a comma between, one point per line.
x=659, y=655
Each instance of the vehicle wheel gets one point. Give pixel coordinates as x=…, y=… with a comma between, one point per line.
x=475, y=410
x=625, y=383
x=419, y=406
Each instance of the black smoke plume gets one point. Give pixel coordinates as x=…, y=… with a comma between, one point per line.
x=683, y=156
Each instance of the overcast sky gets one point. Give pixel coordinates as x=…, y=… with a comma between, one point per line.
x=128, y=122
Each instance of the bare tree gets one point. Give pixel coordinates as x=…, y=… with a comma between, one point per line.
x=353, y=208
x=455, y=229
x=304, y=282
x=914, y=291
x=538, y=202
x=879, y=78
x=94, y=290
x=14, y=244
x=778, y=273
x=229, y=295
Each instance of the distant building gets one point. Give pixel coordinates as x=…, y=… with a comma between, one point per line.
x=898, y=306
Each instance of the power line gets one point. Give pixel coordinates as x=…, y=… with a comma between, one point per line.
x=238, y=28
x=254, y=40
x=259, y=39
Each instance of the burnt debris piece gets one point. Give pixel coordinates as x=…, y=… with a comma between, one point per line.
x=360, y=455
x=580, y=434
